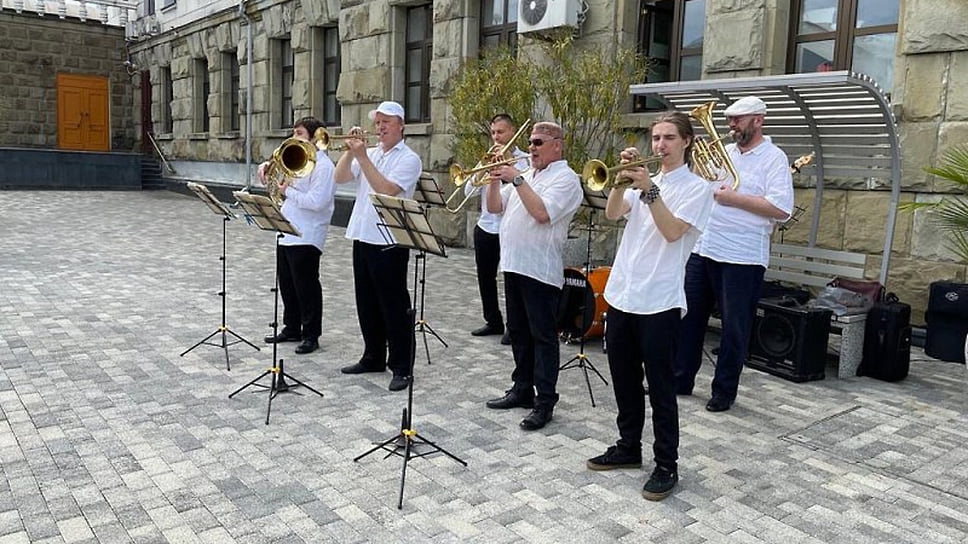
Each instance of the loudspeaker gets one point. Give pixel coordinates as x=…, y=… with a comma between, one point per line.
x=789, y=341
x=887, y=342
x=947, y=321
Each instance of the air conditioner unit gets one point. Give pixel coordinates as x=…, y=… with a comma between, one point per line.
x=537, y=15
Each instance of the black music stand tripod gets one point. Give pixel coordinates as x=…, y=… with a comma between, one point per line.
x=427, y=192
x=594, y=201
x=219, y=208
x=266, y=215
x=405, y=225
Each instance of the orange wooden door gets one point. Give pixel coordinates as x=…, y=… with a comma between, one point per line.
x=82, y=112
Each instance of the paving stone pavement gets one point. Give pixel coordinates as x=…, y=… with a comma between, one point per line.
x=108, y=435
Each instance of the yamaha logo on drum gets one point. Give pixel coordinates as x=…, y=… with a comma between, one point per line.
x=581, y=283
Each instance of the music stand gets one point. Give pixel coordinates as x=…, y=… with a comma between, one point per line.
x=266, y=215
x=593, y=201
x=427, y=192
x=404, y=224
x=222, y=209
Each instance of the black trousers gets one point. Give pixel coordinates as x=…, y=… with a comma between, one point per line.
x=301, y=292
x=382, y=306
x=644, y=346
x=532, y=327
x=487, y=255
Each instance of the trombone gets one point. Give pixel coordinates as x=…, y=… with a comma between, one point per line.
x=599, y=177
x=325, y=139
x=459, y=175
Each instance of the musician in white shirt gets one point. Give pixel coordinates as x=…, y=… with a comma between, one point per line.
x=487, y=244
x=538, y=207
x=727, y=265
x=647, y=299
x=380, y=267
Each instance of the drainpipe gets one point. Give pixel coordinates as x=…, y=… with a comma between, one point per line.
x=248, y=95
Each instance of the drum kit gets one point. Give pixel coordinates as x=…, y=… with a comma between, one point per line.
x=581, y=312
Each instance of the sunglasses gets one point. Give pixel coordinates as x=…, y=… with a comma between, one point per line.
x=538, y=142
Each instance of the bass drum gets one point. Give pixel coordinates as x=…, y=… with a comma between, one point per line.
x=581, y=313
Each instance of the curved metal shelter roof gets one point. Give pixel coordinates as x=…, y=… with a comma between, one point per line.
x=843, y=117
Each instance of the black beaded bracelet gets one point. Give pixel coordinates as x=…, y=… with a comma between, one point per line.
x=650, y=196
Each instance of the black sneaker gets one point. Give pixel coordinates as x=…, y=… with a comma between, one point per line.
x=660, y=484
x=615, y=457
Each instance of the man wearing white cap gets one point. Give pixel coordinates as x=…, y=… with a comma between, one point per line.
x=726, y=267
x=380, y=268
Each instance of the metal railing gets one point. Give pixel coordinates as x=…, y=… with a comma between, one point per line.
x=161, y=155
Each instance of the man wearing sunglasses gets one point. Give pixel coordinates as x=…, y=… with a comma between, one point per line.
x=727, y=265
x=538, y=206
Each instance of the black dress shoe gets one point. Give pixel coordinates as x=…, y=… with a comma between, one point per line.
x=308, y=345
x=488, y=330
x=360, y=368
x=538, y=418
x=399, y=383
x=281, y=337
x=718, y=404
x=513, y=398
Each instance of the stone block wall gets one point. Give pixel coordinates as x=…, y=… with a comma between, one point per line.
x=742, y=38
x=33, y=50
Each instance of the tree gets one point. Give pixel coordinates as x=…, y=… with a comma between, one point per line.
x=583, y=90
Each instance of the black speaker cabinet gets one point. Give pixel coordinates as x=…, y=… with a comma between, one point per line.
x=789, y=342
x=947, y=321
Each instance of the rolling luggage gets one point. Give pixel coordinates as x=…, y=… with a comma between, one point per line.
x=887, y=341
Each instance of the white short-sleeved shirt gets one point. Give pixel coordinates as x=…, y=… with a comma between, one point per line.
x=530, y=248
x=309, y=204
x=491, y=222
x=401, y=166
x=738, y=236
x=648, y=275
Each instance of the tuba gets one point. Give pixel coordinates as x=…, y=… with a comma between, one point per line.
x=294, y=158
x=709, y=157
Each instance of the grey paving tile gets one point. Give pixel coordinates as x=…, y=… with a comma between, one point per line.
x=108, y=435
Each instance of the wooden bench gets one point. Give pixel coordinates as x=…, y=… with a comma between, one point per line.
x=816, y=267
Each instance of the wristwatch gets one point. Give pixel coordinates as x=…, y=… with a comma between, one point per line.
x=517, y=181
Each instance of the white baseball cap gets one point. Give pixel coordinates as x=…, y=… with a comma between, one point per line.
x=387, y=108
x=748, y=105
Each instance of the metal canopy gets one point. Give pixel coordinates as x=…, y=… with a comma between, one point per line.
x=843, y=117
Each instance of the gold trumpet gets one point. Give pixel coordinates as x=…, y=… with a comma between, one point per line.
x=709, y=157
x=326, y=139
x=599, y=177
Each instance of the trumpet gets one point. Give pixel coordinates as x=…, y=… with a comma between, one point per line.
x=599, y=177
x=326, y=139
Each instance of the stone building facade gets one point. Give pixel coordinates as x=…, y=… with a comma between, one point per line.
x=33, y=51
x=926, y=72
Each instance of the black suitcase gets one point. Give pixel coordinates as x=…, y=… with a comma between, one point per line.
x=887, y=342
x=947, y=321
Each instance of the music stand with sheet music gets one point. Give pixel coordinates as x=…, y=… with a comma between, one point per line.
x=593, y=201
x=404, y=224
x=222, y=209
x=427, y=192
x=266, y=215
